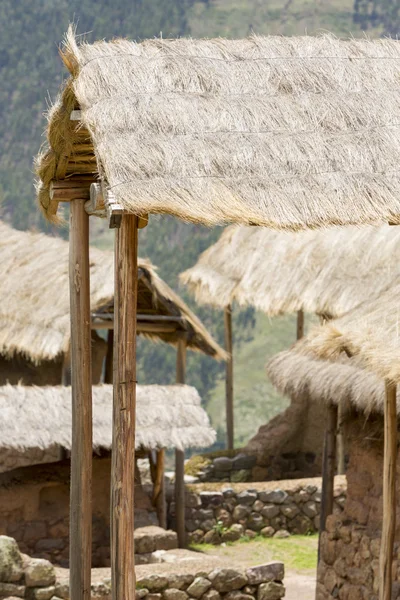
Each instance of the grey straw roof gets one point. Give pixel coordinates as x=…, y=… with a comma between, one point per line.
x=34, y=294
x=325, y=271
x=343, y=382
x=370, y=332
x=287, y=132
x=40, y=418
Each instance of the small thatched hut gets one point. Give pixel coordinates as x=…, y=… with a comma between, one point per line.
x=36, y=428
x=349, y=548
x=34, y=309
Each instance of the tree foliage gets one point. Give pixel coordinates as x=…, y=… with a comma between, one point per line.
x=383, y=14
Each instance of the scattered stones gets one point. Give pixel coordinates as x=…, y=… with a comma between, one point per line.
x=281, y=533
x=231, y=535
x=39, y=573
x=267, y=531
x=199, y=587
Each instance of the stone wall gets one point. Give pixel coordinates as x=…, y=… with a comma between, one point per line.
x=35, y=579
x=348, y=569
x=34, y=509
x=226, y=515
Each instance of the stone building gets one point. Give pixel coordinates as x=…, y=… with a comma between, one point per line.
x=36, y=427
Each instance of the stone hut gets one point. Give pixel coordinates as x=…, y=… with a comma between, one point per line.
x=36, y=428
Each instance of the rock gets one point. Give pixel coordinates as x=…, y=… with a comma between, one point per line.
x=199, y=587
x=281, y=533
x=39, y=573
x=49, y=544
x=41, y=593
x=10, y=560
x=230, y=536
x=11, y=589
x=205, y=513
x=246, y=497
x=62, y=590
x=212, y=595
x=316, y=496
x=224, y=517
x=243, y=461
x=241, y=476
x=212, y=537
x=196, y=537
x=301, y=525
x=290, y=510
x=229, y=493
x=153, y=596
x=211, y=499
x=192, y=525
x=166, y=540
x=238, y=595
x=273, y=571
x=270, y=511
x=174, y=594
x=144, y=543
x=255, y=522
x=238, y=528
x=311, y=489
x=180, y=582
x=154, y=583
x=249, y=533
x=241, y=512
x=142, y=593
x=258, y=506
x=222, y=463
x=267, y=531
x=274, y=496
x=310, y=509
x=270, y=591
x=227, y=580
x=208, y=525
x=192, y=500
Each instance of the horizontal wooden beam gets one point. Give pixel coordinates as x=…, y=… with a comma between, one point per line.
x=142, y=317
x=142, y=327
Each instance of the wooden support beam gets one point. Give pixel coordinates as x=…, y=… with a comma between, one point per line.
x=109, y=366
x=180, y=455
x=328, y=470
x=81, y=450
x=300, y=325
x=389, y=493
x=341, y=450
x=124, y=411
x=142, y=327
x=66, y=369
x=159, y=489
x=229, y=378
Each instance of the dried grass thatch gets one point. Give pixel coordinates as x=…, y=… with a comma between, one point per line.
x=34, y=307
x=285, y=132
x=40, y=418
x=371, y=332
x=327, y=272
x=343, y=383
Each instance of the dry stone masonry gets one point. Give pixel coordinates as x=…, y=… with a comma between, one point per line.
x=225, y=516
x=35, y=579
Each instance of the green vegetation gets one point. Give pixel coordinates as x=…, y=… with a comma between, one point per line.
x=297, y=552
x=31, y=73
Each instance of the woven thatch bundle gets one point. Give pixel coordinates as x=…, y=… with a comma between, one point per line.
x=371, y=332
x=284, y=132
x=343, y=383
x=40, y=418
x=34, y=307
x=328, y=271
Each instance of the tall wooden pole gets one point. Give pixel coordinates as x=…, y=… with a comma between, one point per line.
x=81, y=449
x=328, y=470
x=300, y=325
x=159, y=489
x=108, y=370
x=229, y=378
x=124, y=411
x=180, y=455
x=341, y=450
x=389, y=494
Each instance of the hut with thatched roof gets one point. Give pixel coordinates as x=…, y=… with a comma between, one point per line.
x=350, y=542
x=34, y=313
x=35, y=442
x=289, y=133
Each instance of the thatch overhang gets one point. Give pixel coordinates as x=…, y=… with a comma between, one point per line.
x=41, y=418
x=283, y=132
x=327, y=272
x=342, y=382
x=34, y=307
x=370, y=332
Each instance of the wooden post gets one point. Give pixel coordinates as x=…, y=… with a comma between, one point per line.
x=66, y=369
x=108, y=368
x=389, y=494
x=180, y=455
x=328, y=470
x=124, y=411
x=300, y=325
x=341, y=450
x=229, y=378
x=159, y=489
x=80, y=556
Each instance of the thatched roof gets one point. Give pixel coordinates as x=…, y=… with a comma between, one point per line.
x=34, y=297
x=343, y=382
x=284, y=132
x=327, y=271
x=371, y=332
x=40, y=418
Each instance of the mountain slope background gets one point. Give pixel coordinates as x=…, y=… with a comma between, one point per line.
x=31, y=73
